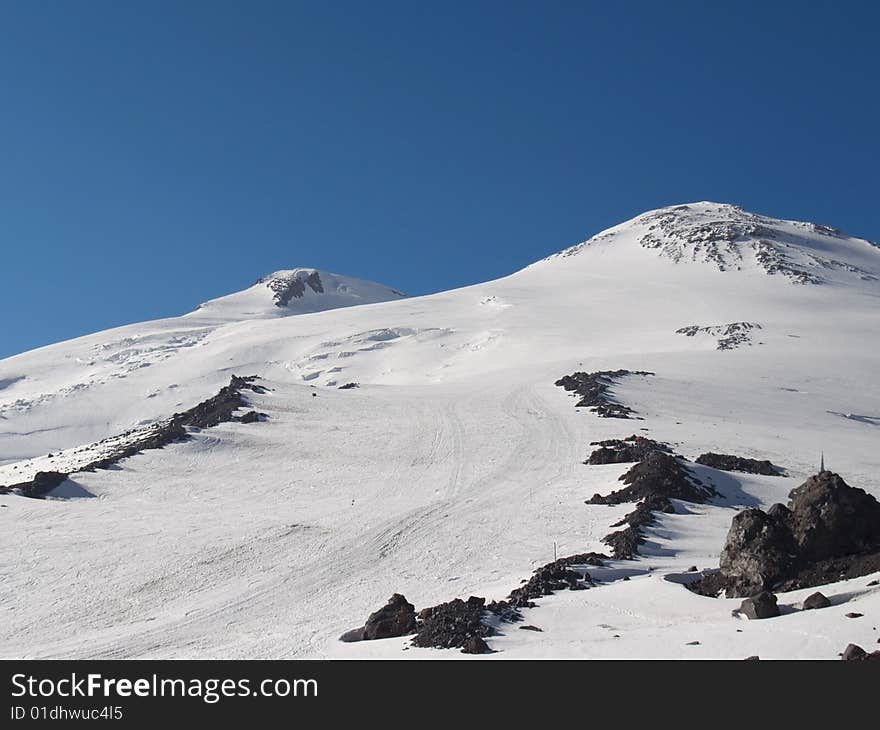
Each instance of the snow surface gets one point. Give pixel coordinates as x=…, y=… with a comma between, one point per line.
x=455, y=466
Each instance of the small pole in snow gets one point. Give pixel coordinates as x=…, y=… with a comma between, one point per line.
x=822, y=462
x=554, y=551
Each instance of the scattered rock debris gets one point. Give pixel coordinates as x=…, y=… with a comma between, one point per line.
x=729, y=336
x=211, y=412
x=622, y=451
x=594, y=389
x=730, y=462
x=656, y=480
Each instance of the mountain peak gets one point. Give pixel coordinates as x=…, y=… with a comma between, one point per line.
x=300, y=290
x=730, y=238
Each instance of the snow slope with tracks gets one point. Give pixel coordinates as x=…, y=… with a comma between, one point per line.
x=456, y=464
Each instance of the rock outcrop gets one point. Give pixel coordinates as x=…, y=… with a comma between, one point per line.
x=658, y=478
x=828, y=531
x=395, y=618
x=730, y=462
x=659, y=474
x=455, y=624
x=556, y=576
x=594, y=389
x=219, y=408
x=623, y=451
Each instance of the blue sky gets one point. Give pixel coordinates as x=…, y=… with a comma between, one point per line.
x=156, y=154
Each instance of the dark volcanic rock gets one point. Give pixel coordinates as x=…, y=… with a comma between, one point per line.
x=855, y=653
x=42, y=483
x=828, y=532
x=658, y=475
x=252, y=417
x=395, y=618
x=779, y=512
x=831, y=518
x=594, y=391
x=292, y=286
x=759, y=553
x=816, y=600
x=452, y=624
x=729, y=462
x=216, y=409
x=624, y=543
x=475, y=645
x=622, y=451
x=555, y=576
x=349, y=386
x=762, y=605
x=655, y=480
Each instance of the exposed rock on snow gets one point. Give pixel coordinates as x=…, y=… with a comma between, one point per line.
x=830, y=518
x=293, y=285
x=763, y=605
x=594, y=391
x=454, y=624
x=730, y=462
x=559, y=575
x=395, y=618
x=623, y=451
x=732, y=238
x=659, y=477
x=729, y=336
x=759, y=553
x=211, y=412
x=816, y=600
x=829, y=531
x=855, y=653
x=625, y=543
x=659, y=474
x=43, y=482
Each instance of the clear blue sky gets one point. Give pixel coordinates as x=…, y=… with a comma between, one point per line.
x=156, y=154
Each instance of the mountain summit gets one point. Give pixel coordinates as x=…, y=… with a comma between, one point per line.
x=730, y=238
x=296, y=291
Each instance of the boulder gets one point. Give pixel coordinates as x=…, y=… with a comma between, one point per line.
x=395, y=618
x=830, y=518
x=758, y=553
x=816, y=600
x=475, y=645
x=857, y=654
x=763, y=605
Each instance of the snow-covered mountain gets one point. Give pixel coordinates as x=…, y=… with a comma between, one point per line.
x=295, y=291
x=457, y=465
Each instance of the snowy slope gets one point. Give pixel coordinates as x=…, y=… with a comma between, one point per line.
x=100, y=385
x=457, y=463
